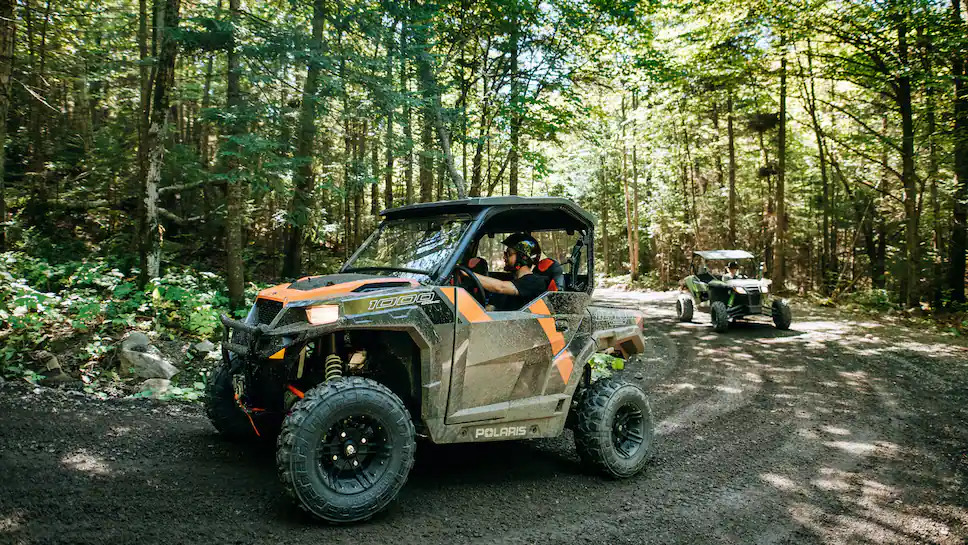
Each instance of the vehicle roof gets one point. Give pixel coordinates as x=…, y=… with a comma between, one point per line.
x=723, y=254
x=478, y=204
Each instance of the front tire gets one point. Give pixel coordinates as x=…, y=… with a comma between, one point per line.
x=782, y=314
x=346, y=449
x=720, y=316
x=684, y=308
x=615, y=431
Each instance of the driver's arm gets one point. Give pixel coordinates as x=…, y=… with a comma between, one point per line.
x=494, y=285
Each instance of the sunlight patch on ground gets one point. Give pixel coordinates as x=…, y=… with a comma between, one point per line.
x=780, y=482
x=85, y=462
x=857, y=448
x=876, y=515
x=729, y=389
x=834, y=430
x=11, y=523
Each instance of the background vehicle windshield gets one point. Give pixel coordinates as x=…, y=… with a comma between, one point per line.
x=412, y=248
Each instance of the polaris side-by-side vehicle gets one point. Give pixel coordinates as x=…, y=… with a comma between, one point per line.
x=348, y=370
x=729, y=297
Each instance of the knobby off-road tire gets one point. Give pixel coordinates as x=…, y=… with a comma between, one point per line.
x=332, y=417
x=684, y=308
x=720, y=316
x=615, y=431
x=782, y=314
x=225, y=414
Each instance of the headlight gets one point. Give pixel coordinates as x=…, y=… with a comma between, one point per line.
x=740, y=290
x=323, y=314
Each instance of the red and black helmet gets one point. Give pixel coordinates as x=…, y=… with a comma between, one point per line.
x=526, y=246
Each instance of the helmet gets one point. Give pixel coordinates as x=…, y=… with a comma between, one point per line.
x=526, y=247
x=732, y=265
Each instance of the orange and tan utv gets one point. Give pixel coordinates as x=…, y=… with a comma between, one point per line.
x=345, y=371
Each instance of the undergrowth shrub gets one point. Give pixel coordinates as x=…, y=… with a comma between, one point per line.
x=40, y=301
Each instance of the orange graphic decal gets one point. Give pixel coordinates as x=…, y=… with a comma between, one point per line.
x=565, y=365
x=555, y=337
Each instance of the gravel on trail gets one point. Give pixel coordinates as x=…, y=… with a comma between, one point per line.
x=841, y=430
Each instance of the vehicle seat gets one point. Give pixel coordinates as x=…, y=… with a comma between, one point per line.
x=552, y=270
x=478, y=265
x=704, y=275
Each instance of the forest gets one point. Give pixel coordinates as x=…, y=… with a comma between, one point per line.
x=260, y=140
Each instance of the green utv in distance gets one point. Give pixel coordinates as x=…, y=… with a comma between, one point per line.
x=347, y=370
x=729, y=297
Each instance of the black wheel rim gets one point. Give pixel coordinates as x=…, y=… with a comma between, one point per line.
x=354, y=454
x=628, y=430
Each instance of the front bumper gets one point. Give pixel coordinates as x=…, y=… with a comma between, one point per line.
x=249, y=341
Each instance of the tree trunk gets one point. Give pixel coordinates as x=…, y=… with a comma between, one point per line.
x=375, y=174
x=388, y=137
x=476, y=178
x=937, y=272
x=515, y=105
x=909, y=285
x=731, y=144
x=35, y=125
x=167, y=18
x=629, y=225
x=779, y=250
x=8, y=34
x=234, y=270
x=145, y=88
x=606, y=269
x=426, y=160
x=767, y=224
x=433, y=112
x=407, y=115
x=305, y=179
x=828, y=264
x=635, y=187
x=959, y=231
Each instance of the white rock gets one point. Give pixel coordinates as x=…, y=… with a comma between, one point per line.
x=146, y=364
x=156, y=387
x=203, y=347
x=134, y=339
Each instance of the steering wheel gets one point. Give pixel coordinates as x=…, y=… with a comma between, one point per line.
x=479, y=293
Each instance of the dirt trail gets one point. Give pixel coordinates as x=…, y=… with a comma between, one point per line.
x=838, y=431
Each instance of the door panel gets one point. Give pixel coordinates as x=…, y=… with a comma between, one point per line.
x=499, y=357
x=512, y=364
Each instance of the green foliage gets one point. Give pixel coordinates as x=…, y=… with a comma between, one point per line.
x=877, y=299
x=99, y=301
x=603, y=364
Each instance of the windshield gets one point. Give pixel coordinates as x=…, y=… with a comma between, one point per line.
x=410, y=248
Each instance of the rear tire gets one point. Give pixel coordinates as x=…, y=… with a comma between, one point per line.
x=720, y=316
x=782, y=314
x=346, y=449
x=228, y=418
x=615, y=431
x=684, y=308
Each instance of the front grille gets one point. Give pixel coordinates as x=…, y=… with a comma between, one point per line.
x=754, y=296
x=267, y=310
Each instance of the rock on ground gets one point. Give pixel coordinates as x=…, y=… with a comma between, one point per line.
x=156, y=386
x=148, y=362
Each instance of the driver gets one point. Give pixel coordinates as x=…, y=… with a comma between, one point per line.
x=520, y=256
x=732, y=271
